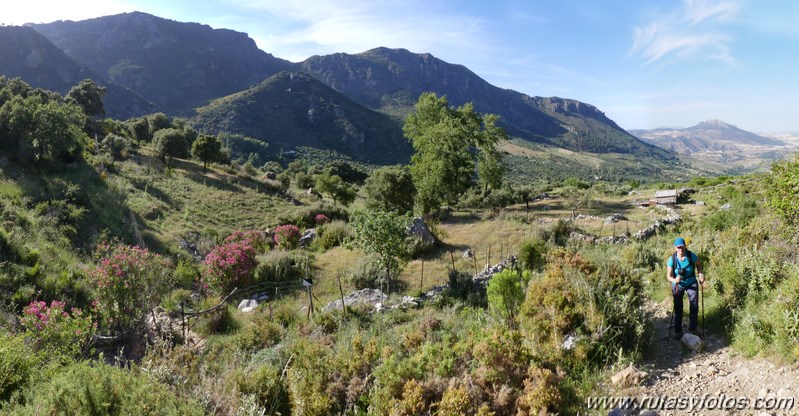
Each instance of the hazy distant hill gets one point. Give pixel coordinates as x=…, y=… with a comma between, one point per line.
x=178, y=66
x=289, y=110
x=717, y=141
x=27, y=54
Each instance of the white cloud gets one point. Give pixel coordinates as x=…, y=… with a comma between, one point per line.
x=46, y=11
x=302, y=29
x=697, y=11
x=694, y=32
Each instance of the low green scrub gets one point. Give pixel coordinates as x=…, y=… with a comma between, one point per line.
x=99, y=389
x=331, y=235
x=18, y=364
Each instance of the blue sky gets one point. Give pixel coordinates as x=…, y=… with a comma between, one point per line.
x=646, y=63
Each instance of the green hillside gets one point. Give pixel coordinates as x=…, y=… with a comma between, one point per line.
x=292, y=110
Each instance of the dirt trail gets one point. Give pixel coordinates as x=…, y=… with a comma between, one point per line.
x=729, y=383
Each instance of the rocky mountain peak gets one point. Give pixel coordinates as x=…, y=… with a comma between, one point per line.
x=714, y=124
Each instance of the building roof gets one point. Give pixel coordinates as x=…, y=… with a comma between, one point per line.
x=666, y=193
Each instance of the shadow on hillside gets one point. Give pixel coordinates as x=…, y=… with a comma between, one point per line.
x=223, y=185
x=603, y=208
x=160, y=195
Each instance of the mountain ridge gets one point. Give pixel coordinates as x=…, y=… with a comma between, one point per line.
x=180, y=67
x=718, y=141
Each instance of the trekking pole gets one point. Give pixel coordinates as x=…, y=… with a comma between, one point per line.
x=702, y=302
x=671, y=318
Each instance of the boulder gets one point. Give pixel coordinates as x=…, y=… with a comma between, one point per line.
x=628, y=377
x=248, y=305
x=421, y=234
x=307, y=237
x=692, y=341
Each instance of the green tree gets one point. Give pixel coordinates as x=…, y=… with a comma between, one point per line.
x=384, y=234
x=39, y=132
x=88, y=96
x=505, y=294
x=347, y=172
x=158, y=121
x=390, y=188
x=336, y=188
x=448, y=142
x=140, y=129
x=171, y=142
x=782, y=193
x=206, y=149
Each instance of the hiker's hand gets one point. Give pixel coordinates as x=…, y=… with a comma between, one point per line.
x=701, y=278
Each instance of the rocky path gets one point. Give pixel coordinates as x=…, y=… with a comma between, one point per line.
x=715, y=381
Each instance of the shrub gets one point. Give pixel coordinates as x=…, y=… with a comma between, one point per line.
x=258, y=239
x=230, y=266
x=117, y=146
x=275, y=266
x=305, y=217
x=331, y=235
x=320, y=219
x=130, y=281
x=96, y=388
x=532, y=254
x=17, y=364
x=220, y=321
x=287, y=237
x=367, y=273
x=54, y=330
x=187, y=274
x=541, y=394
x=505, y=294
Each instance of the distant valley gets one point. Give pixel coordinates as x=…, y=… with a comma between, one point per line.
x=718, y=142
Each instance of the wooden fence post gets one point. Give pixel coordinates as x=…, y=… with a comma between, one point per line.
x=341, y=290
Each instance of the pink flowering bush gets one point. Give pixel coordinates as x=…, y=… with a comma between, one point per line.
x=320, y=219
x=230, y=265
x=130, y=281
x=53, y=329
x=257, y=239
x=287, y=236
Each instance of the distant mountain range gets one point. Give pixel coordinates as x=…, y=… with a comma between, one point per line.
x=220, y=80
x=717, y=141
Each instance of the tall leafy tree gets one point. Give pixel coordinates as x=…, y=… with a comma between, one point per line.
x=448, y=143
x=207, y=149
x=89, y=96
x=390, y=188
x=38, y=131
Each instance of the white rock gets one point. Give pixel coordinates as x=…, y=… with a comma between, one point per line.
x=247, y=305
x=692, y=341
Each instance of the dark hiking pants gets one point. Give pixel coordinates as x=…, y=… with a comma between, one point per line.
x=693, y=307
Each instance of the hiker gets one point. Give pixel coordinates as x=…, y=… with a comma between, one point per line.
x=683, y=272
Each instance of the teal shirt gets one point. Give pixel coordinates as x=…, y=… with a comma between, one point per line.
x=689, y=275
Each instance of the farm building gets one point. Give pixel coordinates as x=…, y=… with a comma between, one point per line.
x=665, y=197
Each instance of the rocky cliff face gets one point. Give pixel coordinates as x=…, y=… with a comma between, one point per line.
x=182, y=66
x=176, y=65
x=27, y=54
x=391, y=81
